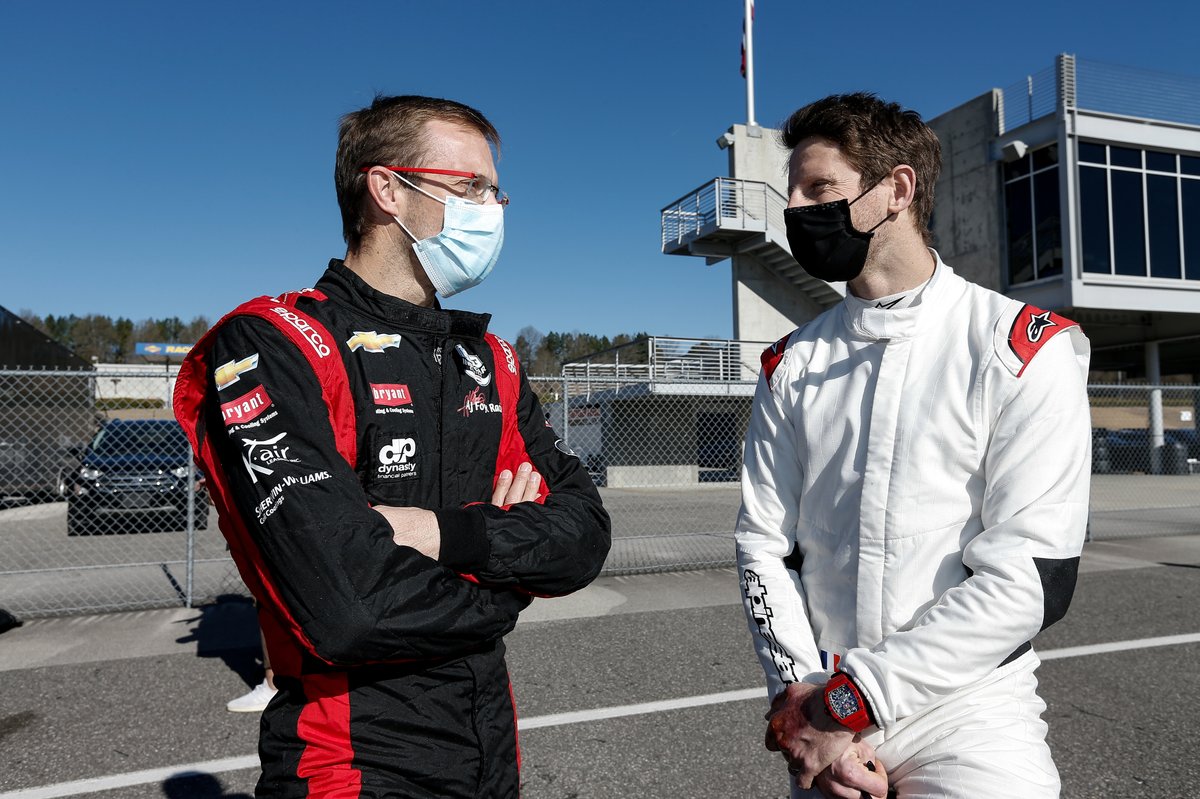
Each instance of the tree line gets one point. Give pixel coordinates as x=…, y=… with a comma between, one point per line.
x=106, y=340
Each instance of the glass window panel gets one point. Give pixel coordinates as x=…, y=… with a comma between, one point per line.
x=1189, y=165
x=1190, y=189
x=1020, y=232
x=1048, y=223
x=1092, y=153
x=1126, y=156
x=1093, y=219
x=1016, y=169
x=1160, y=162
x=1129, y=224
x=1162, y=208
x=1045, y=156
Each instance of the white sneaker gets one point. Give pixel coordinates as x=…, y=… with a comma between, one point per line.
x=253, y=702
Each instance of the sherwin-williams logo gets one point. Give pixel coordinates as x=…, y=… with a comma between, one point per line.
x=391, y=394
x=246, y=407
x=229, y=373
x=371, y=341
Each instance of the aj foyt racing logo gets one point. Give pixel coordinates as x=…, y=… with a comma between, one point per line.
x=394, y=459
x=475, y=401
x=260, y=456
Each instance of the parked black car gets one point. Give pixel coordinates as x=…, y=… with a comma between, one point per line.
x=135, y=475
x=1128, y=450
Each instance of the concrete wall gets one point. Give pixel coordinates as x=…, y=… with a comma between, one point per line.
x=756, y=154
x=967, y=217
x=766, y=307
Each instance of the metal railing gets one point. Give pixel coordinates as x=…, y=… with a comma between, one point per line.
x=1102, y=88
x=721, y=204
x=663, y=360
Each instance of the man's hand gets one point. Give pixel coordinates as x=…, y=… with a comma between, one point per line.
x=510, y=490
x=800, y=728
x=857, y=773
x=414, y=527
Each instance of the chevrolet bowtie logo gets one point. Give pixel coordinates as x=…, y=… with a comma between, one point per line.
x=371, y=341
x=229, y=373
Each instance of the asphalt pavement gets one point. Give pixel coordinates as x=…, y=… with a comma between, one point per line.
x=638, y=686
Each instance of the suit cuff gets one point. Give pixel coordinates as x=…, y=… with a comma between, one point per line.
x=465, y=546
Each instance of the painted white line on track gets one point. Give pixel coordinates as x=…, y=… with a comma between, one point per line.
x=77, y=787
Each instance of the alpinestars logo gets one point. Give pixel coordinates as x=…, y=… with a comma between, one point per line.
x=394, y=460
x=473, y=366
x=475, y=401
x=756, y=592
x=1038, y=323
x=371, y=341
x=259, y=456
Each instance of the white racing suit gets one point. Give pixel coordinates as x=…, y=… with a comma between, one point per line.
x=914, y=503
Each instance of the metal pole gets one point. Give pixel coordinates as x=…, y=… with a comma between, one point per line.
x=566, y=410
x=749, y=27
x=1154, y=378
x=191, y=529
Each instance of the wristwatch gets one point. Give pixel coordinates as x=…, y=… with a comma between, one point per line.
x=845, y=703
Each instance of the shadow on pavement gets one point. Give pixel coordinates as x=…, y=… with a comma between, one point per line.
x=228, y=629
x=197, y=786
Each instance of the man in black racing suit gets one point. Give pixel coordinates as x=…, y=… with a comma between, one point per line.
x=390, y=488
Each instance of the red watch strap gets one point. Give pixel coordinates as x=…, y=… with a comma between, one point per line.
x=860, y=719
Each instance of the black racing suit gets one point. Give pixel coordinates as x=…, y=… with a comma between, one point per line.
x=390, y=665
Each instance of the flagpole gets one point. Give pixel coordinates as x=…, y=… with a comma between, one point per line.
x=749, y=25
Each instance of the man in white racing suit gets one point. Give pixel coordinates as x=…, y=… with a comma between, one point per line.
x=915, y=488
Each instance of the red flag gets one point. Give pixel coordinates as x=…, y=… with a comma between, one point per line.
x=744, y=39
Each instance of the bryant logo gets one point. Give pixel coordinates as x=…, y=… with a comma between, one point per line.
x=391, y=394
x=399, y=451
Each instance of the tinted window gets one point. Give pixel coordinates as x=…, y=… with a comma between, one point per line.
x=1093, y=219
x=1049, y=226
x=1046, y=156
x=140, y=439
x=1191, y=228
x=1016, y=168
x=1129, y=229
x=1189, y=165
x=1020, y=232
x=1162, y=208
x=1091, y=153
x=1124, y=156
x=1160, y=162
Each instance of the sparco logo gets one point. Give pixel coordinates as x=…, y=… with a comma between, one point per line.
x=306, y=329
x=259, y=456
x=394, y=459
x=509, y=360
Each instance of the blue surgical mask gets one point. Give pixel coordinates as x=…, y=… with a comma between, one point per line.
x=466, y=249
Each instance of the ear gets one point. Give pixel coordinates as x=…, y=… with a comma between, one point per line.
x=904, y=188
x=387, y=192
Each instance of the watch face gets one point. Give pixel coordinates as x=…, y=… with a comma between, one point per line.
x=843, y=702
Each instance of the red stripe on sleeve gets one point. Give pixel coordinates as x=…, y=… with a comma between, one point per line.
x=327, y=761
x=512, y=452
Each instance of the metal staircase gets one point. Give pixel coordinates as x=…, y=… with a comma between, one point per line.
x=727, y=217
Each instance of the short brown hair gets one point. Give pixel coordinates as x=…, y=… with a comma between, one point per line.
x=389, y=132
x=874, y=137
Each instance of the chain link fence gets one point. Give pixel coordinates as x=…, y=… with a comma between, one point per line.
x=101, y=509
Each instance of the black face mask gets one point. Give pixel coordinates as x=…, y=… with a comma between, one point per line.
x=824, y=241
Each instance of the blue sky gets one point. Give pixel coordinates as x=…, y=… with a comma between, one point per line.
x=174, y=158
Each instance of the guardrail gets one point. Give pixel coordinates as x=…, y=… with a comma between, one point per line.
x=721, y=204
